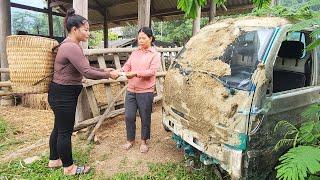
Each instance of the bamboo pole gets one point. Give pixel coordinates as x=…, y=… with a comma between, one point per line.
x=6, y=93
x=90, y=82
x=5, y=84
x=90, y=52
x=4, y=70
x=106, y=113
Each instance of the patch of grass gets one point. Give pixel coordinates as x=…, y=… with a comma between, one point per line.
x=170, y=171
x=3, y=128
x=7, y=136
x=38, y=169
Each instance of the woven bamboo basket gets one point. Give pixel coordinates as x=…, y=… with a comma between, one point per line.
x=30, y=59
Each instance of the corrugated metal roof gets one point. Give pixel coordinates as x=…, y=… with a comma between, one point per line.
x=120, y=12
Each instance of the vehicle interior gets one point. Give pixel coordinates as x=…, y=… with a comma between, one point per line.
x=293, y=65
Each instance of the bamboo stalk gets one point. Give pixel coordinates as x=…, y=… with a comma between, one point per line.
x=106, y=113
x=90, y=52
x=5, y=84
x=90, y=82
x=6, y=93
x=4, y=70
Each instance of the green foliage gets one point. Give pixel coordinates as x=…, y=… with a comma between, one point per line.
x=97, y=38
x=261, y=3
x=170, y=171
x=35, y=22
x=190, y=7
x=175, y=31
x=306, y=15
x=38, y=169
x=291, y=136
x=303, y=159
x=298, y=162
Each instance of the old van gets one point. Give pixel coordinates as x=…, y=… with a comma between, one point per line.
x=232, y=83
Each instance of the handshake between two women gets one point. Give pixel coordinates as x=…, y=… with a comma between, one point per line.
x=114, y=74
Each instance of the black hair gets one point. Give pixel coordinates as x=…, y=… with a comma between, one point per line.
x=148, y=32
x=73, y=20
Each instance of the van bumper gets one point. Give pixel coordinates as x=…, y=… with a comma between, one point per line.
x=228, y=157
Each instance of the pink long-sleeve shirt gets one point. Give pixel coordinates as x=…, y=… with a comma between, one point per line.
x=145, y=63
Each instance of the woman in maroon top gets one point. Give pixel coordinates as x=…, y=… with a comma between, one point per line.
x=69, y=68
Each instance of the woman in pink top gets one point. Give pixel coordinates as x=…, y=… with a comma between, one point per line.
x=140, y=68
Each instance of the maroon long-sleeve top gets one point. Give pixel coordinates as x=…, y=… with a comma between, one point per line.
x=74, y=65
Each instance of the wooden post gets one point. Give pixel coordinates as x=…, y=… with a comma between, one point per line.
x=83, y=108
x=5, y=30
x=213, y=10
x=81, y=8
x=50, y=20
x=196, y=22
x=105, y=30
x=144, y=13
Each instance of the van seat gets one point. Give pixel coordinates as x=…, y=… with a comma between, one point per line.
x=286, y=80
x=283, y=79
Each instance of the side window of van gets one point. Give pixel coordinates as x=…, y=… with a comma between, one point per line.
x=293, y=66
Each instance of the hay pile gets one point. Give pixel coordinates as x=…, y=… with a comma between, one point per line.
x=204, y=101
x=36, y=101
x=99, y=91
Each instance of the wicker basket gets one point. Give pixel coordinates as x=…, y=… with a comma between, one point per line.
x=30, y=59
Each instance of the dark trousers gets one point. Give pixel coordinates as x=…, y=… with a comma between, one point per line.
x=143, y=103
x=63, y=101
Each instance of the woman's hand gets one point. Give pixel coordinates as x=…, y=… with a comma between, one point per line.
x=108, y=69
x=131, y=74
x=114, y=74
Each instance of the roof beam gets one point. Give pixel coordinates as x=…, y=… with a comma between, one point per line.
x=101, y=9
x=174, y=11
x=21, y=6
x=97, y=8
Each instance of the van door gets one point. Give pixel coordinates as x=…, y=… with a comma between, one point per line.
x=293, y=87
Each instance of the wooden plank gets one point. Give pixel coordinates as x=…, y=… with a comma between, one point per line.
x=81, y=8
x=117, y=61
x=94, y=120
x=4, y=70
x=105, y=114
x=109, y=94
x=91, y=82
x=117, y=103
x=5, y=30
x=5, y=84
x=89, y=52
x=144, y=13
x=92, y=102
x=158, y=87
x=50, y=20
x=102, y=62
x=163, y=64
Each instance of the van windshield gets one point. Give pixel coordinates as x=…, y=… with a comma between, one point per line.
x=243, y=56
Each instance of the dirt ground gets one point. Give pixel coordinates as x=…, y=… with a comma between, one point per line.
x=108, y=157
